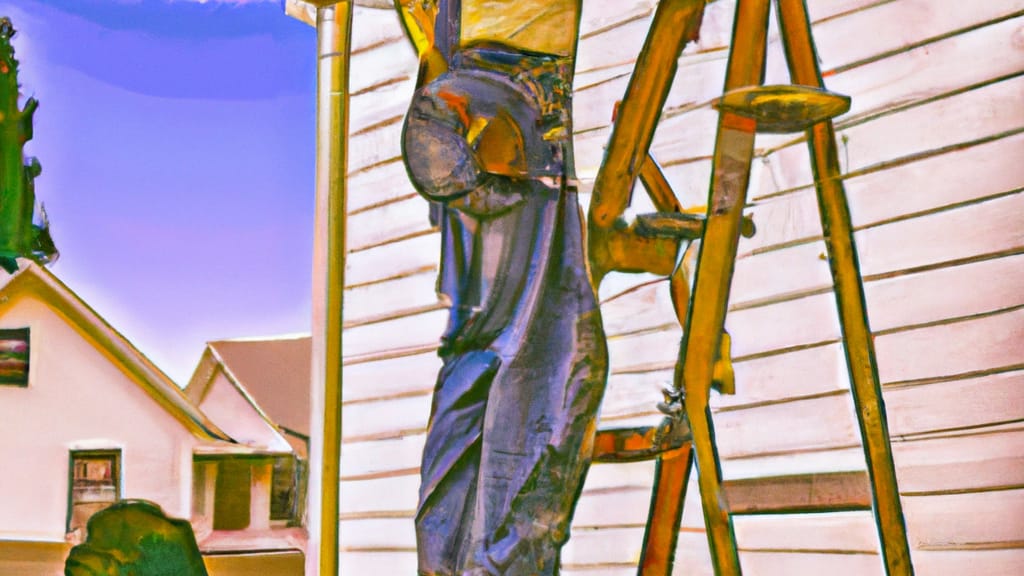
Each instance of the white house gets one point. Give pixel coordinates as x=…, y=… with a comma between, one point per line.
x=88, y=420
x=257, y=391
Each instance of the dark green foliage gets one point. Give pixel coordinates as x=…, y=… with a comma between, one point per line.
x=19, y=236
x=135, y=538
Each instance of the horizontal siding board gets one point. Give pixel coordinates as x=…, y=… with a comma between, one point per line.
x=788, y=563
x=386, y=99
x=383, y=183
x=377, y=533
x=951, y=349
x=816, y=370
x=414, y=374
x=361, y=499
x=967, y=116
x=987, y=562
x=386, y=561
x=789, y=270
x=598, y=15
x=386, y=417
x=693, y=557
x=406, y=332
x=946, y=236
x=895, y=26
x=971, y=462
x=411, y=255
x=943, y=180
x=388, y=457
x=952, y=292
x=817, y=423
x=846, y=531
x=895, y=302
x=973, y=402
x=986, y=227
x=618, y=45
x=846, y=459
x=375, y=146
x=791, y=323
x=931, y=70
x=887, y=82
x=374, y=26
x=955, y=177
x=964, y=519
x=603, y=477
x=604, y=546
x=396, y=296
x=388, y=222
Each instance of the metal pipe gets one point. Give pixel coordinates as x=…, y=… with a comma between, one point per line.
x=334, y=33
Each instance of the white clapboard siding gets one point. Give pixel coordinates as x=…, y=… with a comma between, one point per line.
x=951, y=521
x=991, y=562
x=771, y=563
x=955, y=177
x=378, y=561
x=391, y=377
x=929, y=152
x=979, y=461
x=982, y=112
x=385, y=183
x=381, y=458
x=389, y=298
x=408, y=256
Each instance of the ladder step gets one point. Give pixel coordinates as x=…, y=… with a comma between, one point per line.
x=682, y=225
x=671, y=225
x=799, y=494
x=784, y=108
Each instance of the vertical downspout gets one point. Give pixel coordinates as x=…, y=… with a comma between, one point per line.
x=334, y=32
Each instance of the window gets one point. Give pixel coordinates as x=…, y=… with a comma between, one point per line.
x=283, y=494
x=14, y=357
x=95, y=485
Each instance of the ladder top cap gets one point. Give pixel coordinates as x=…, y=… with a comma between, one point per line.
x=782, y=109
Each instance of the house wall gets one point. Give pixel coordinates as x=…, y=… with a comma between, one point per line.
x=78, y=399
x=931, y=152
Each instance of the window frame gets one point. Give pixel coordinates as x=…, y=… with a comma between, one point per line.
x=23, y=334
x=117, y=476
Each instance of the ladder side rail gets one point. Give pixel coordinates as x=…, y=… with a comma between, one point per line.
x=734, y=149
x=849, y=291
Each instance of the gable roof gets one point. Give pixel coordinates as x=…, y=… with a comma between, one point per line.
x=272, y=373
x=40, y=282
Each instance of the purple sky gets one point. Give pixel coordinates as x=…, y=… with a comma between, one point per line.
x=176, y=139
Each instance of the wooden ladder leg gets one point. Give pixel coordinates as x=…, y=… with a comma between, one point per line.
x=671, y=477
x=849, y=291
x=734, y=151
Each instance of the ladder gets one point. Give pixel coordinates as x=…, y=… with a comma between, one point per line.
x=746, y=108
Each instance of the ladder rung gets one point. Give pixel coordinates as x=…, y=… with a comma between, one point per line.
x=799, y=494
x=682, y=225
x=670, y=224
x=785, y=108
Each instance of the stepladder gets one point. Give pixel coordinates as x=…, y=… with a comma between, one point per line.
x=747, y=107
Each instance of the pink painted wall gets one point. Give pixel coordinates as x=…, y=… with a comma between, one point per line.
x=78, y=399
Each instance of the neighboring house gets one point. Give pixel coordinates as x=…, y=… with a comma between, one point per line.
x=89, y=420
x=257, y=391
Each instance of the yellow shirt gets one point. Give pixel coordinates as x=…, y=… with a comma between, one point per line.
x=545, y=26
